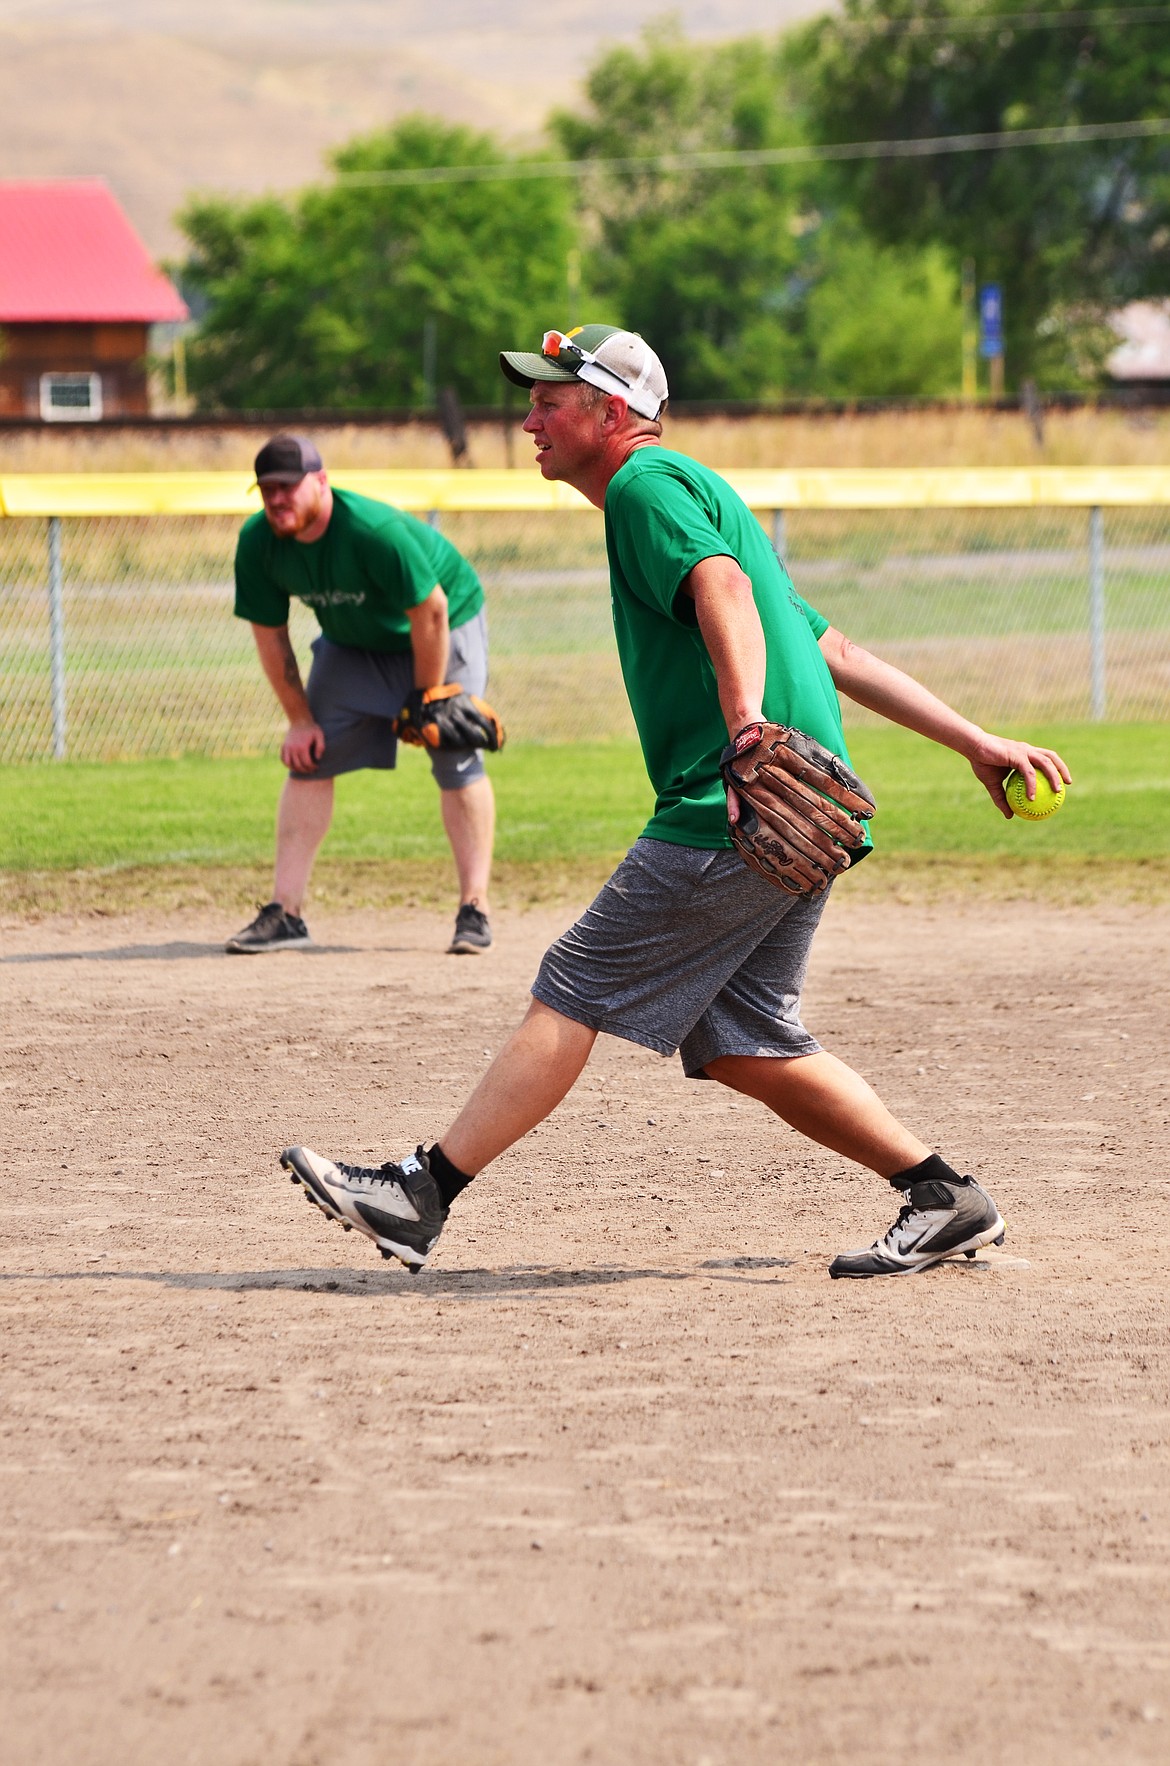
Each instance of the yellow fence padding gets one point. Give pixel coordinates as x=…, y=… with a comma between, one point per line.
x=232, y=493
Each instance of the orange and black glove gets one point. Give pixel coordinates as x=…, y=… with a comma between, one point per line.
x=449, y=717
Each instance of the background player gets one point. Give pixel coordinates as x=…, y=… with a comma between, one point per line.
x=685, y=948
x=400, y=610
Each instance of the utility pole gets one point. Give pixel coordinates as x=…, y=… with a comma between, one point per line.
x=179, y=357
x=970, y=333
x=573, y=277
x=430, y=359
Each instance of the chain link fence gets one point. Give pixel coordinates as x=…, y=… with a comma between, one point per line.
x=1016, y=616
x=117, y=638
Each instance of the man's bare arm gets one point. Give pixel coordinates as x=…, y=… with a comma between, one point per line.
x=430, y=639
x=304, y=744
x=881, y=687
x=730, y=624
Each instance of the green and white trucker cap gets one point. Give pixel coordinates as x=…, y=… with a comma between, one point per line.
x=617, y=361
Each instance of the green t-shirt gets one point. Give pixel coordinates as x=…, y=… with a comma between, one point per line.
x=371, y=564
x=665, y=513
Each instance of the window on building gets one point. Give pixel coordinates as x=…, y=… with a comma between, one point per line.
x=71, y=398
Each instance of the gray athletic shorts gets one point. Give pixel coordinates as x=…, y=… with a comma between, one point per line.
x=355, y=695
x=687, y=949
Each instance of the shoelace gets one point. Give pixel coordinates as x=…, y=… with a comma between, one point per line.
x=904, y=1213
x=368, y=1173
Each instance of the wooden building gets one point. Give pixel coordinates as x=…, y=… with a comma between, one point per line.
x=1141, y=362
x=78, y=294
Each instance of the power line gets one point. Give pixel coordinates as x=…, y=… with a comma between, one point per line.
x=919, y=24
x=915, y=147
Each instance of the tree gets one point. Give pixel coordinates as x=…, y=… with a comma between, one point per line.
x=324, y=300
x=1069, y=231
x=710, y=264
x=882, y=320
x=752, y=282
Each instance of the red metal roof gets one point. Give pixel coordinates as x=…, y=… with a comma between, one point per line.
x=68, y=254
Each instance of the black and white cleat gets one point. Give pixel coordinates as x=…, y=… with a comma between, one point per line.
x=939, y=1220
x=398, y=1206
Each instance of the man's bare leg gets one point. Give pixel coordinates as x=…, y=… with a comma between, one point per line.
x=537, y=1066
x=403, y=1207
x=302, y=822
x=828, y=1102
x=544, y=1057
x=943, y=1214
x=469, y=817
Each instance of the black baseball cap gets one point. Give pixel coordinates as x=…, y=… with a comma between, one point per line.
x=286, y=459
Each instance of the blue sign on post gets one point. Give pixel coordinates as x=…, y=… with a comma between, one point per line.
x=990, y=320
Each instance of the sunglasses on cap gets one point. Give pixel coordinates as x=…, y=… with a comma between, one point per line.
x=558, y=343
x=593, y=366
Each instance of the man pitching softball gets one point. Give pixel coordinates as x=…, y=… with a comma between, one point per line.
x=401, y=656
x=733, y=683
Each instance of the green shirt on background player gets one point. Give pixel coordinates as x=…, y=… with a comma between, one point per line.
x=401, y=612
x=371, y=564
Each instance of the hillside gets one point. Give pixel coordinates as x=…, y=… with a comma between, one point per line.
x=246, y=95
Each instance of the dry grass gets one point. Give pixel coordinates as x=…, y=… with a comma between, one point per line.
x=1085, y=437
x=1064, y=880
x=235, y=890
x=957, y=437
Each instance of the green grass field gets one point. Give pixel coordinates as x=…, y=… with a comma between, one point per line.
x=567, y=805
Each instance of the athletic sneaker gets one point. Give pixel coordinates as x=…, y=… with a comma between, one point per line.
x=472, y=932
x=398, y=1206
x=939, y=1220
x=272, y=929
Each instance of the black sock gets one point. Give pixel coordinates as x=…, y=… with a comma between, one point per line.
x=931, y=1170
x=448, y=1177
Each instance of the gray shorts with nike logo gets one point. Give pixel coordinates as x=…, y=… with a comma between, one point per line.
x=355, y=695
x=687, y=949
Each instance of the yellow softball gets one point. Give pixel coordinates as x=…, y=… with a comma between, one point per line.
x=1045, y=803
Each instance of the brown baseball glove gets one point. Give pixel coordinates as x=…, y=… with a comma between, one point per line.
x=449, y=717
x=801, y=809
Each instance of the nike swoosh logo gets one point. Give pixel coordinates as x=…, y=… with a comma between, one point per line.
x=390, y=1197
x=921, y=1238
x=461, y=766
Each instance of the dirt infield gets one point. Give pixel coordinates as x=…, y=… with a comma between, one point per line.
x=622, y=1477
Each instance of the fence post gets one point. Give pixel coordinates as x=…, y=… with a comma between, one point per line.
x=56, y=638
x=780, y=536
x=1097, y=612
